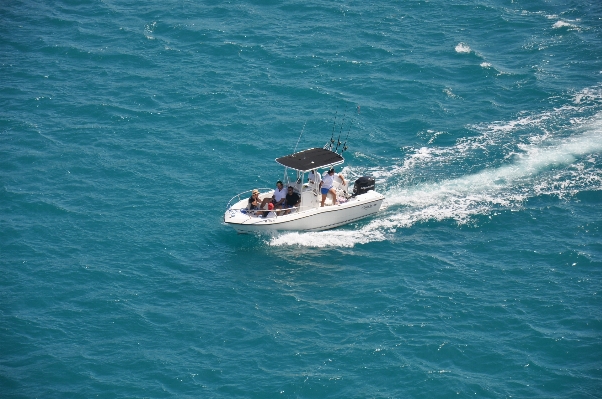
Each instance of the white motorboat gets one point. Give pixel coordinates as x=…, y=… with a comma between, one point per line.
x=309, y=215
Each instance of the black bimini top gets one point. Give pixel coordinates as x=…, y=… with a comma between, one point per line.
x=311, y=159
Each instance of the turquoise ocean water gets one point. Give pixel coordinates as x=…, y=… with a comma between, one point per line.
x=126, y=127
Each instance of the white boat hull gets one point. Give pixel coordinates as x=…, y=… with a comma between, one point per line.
x=313, y=219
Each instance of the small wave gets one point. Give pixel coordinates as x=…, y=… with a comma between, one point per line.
x=563, y=24
x=149, y=30
x=588, y=95
x=449, y=93
x=462, y=48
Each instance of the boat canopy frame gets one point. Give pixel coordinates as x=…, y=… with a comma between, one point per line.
x=314, y=158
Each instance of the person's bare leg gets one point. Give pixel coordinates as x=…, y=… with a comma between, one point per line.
x=334, y=196
x=323, y=199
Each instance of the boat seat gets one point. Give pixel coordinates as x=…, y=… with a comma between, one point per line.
x=308, y=200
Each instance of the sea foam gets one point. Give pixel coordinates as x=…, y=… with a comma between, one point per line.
x=462, y=48
x=542, y=166
x=563, y=24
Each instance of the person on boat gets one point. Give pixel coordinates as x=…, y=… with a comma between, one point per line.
x=278, y=198
x=254, y=201
x=270, y=212
x=311, y=177
x=292, y=200
x=326, y=186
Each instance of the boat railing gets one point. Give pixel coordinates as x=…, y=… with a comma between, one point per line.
x=247, y=194
x=258, y=212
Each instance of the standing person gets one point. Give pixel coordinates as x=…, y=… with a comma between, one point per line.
x=326, y=186
x=278, y=198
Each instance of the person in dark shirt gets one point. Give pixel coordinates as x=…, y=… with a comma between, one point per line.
x=254, y=201
x=292, y=200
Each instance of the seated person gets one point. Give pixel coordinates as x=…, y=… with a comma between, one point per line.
x=292, y=200
x=270, y=212
x=254, y=202
x=278, y=198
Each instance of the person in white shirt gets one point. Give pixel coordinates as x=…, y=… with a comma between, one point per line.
x=278, y=198
x=326, y=186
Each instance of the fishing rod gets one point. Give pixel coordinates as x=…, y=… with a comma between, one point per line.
x=350, y=123
x=339, y=138
x=345, y=143
x=331, y=142
x=299, y=139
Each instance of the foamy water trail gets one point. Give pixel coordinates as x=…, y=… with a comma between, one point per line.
x=528, y=176
x=540, y=165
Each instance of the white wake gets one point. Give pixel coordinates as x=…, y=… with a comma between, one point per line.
x=542, y=162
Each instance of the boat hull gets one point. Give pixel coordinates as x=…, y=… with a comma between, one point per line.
x=314, y=219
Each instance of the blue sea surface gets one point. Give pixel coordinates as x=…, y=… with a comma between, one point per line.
x=126, y=127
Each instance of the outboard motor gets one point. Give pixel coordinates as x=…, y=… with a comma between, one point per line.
x=363, y=185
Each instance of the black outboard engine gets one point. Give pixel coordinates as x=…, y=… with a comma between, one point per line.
x=363, y=185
